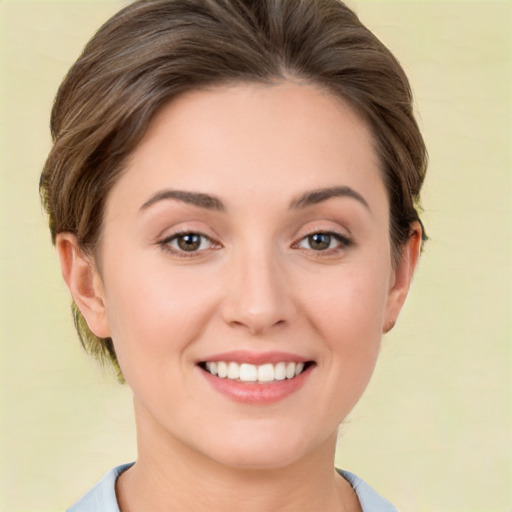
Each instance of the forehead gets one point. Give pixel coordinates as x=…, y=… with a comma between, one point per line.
x=272, y=140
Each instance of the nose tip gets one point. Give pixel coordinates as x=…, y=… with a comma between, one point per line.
x=259, y=299
x=256, y=322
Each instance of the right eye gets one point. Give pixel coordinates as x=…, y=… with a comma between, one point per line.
x=188, y=243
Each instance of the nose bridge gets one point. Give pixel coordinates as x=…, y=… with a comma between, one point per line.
x=258, y=297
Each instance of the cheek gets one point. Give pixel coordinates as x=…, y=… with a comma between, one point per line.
x=351, y=300
x=347, y=316
x=155, y=313
x=348, y=313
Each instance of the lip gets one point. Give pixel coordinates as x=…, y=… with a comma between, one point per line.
x=256, y=358
x=257, y=393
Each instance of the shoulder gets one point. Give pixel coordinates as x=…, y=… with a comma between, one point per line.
x=103, y=495
x=370, y=500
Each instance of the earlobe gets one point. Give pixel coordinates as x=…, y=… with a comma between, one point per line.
x=403, y=276
x=84, y=283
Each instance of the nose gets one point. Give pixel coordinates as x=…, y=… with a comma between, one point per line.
x=259, y=298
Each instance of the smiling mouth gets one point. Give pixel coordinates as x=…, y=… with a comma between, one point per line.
x=259, y=374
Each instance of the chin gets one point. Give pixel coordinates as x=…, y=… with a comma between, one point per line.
x=262, y=449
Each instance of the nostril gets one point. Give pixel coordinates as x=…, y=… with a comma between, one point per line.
x=257, y=325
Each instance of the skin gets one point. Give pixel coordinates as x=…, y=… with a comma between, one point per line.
x=256, y=284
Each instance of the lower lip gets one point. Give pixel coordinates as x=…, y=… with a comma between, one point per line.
x=254, y=393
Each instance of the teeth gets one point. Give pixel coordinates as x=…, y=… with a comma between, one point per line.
x=222, y=369
x=266, y=373
x=212, y=368
x=281, y=371
x=248, y=372
x=252, y=373
x=233, y=371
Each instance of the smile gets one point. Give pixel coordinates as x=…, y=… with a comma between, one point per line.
x=256, y=378
x=246, y=372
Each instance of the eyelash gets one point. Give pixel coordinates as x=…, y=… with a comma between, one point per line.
x=342, y=241
x=166, y=244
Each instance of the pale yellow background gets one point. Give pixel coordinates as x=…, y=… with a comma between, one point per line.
x=433, y=432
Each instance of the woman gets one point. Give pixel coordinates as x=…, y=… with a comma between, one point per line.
x=232, y=193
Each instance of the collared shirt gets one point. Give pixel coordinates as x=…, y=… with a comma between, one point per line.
x=102, y=497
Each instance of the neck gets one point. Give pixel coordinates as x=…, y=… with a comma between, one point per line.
x=171, y=476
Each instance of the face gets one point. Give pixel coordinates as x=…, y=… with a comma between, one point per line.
x=249, y=235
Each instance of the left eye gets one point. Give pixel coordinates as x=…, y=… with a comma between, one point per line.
x=322, y=241
x=188, y=242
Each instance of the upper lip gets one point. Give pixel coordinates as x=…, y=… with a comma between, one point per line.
x=256, y=358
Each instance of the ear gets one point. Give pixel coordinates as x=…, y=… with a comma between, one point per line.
x=84, y=283
x=402, y=276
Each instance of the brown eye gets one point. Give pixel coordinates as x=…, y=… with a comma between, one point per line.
x=189, y=242
x=319, y=241
x=324, y=241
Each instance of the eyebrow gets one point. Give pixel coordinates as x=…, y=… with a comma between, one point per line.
x=195, y=198
x=322, y=194
x=210, y=202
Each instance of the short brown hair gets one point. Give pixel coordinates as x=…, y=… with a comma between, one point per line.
x=153, y=50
